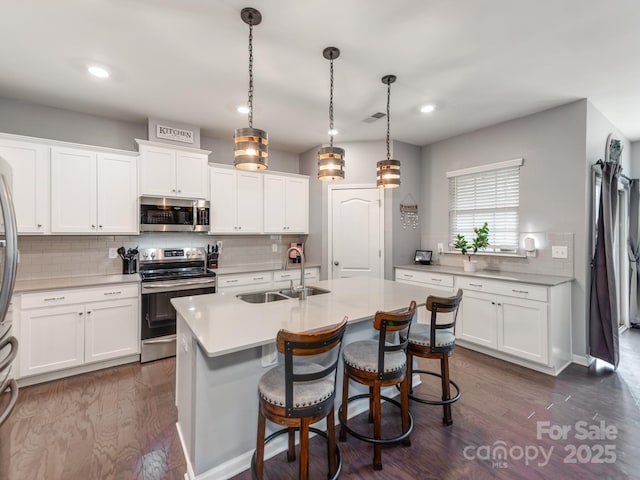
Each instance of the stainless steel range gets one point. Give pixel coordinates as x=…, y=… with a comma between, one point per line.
x=168, y=273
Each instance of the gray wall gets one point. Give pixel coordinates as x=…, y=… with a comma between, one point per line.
x=23, y=118
x=552, y=189
x=360, y=169
x=634, y=168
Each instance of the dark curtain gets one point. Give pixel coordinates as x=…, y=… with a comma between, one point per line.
x=603, y=324
x=633, y=250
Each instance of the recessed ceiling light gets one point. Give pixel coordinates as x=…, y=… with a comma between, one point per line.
x=427, y=108
x=98, y=71
x=243, y=109
x=333, y=131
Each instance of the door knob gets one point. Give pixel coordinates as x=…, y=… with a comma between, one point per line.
x=336, y=263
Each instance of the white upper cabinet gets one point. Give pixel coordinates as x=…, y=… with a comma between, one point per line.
x=236, y=201
x=30, y=164
x=286, y=204
x=173, y=172
x=93, y=192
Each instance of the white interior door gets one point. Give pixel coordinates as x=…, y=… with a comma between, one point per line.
x=356, y=232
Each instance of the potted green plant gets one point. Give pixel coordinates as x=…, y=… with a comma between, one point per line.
x=480, y=241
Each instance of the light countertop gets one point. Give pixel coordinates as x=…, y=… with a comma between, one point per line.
x=533, y=278
x=224, y=324
x=23, y=286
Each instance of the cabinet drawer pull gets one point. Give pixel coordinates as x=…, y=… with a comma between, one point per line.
x=53, y=299
x=518, y=291
x=258, y=278
x=406, y=275
x=112, y=293
x=475, y=285
x=232, y=281
x=436, y=279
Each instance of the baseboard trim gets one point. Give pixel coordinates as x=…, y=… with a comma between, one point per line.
x=584, y=360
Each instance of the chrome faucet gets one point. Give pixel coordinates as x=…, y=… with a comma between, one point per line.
x=301, y=288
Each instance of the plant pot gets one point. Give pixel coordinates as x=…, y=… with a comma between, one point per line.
x=470, y=265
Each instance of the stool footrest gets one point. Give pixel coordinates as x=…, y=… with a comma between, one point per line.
x=365, y=438
x=453, y=399
x=286, y=430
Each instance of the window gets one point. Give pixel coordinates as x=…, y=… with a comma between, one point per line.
x=490, y=193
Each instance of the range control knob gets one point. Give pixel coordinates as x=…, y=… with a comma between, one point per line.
x=188, y=253
x=145, y=255
x=153, y=255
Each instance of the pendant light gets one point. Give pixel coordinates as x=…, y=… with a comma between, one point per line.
x=331, y=159
x=388, y=171
x=250, y=152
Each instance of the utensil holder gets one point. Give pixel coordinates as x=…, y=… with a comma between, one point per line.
x=129, y=266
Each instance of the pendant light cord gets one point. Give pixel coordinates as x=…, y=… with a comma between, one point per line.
x=388, y=117
x=331, y=103
x=250, y=73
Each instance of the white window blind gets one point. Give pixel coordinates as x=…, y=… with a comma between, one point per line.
x=490, y=195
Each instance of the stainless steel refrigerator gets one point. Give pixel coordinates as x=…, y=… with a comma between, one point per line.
x=8, y=266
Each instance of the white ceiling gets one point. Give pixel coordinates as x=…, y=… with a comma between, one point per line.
x=480, y=62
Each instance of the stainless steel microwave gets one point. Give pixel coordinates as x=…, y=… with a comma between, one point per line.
x=161, y=214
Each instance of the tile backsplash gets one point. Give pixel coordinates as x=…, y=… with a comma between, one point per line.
x=54, y=256
x=542, y=263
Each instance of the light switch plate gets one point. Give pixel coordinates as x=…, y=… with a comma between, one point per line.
x=113, y=253
x=440, y=247
x=559, y=252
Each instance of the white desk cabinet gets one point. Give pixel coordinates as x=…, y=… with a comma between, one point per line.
x=286, y=204
x=61, y=329
x=167, y=171
x=523, y=323
x=30, y=162
x=436, y=283
x=236, y=201
x=93, y=192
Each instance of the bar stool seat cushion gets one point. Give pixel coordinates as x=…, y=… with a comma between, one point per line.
x=305, y=394
x=363, y=355
x=421, y=335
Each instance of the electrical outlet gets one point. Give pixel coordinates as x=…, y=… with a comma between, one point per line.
x=559, y=252
x=440, y=248
x=113, y=253
x=274, y=247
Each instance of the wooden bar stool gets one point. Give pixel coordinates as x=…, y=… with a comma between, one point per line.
x=299, y=393
x=436, y=340
x=376, y=364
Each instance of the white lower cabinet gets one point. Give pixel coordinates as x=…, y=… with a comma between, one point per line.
x=527, y=324
x=60, y=329
x=436, y=283
x=523, y=323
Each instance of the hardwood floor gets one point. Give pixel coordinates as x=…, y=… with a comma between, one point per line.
x=113, y=424
x=120, y=424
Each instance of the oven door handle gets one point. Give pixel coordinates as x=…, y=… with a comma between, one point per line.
x=182, y=284
x=168, y=339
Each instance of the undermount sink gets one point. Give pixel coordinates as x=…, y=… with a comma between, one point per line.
x=310, y=291
x=275, y=296
x=262, y=297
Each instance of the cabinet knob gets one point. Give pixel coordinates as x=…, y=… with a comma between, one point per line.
x=39, y=225
x=336, y=263
x=173, y=190
x=240, y=228
x=179, y=191
x=80, y=313
x=99, y=226
x=89, y=312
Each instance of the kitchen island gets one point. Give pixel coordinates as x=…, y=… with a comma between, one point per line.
x=225, y=345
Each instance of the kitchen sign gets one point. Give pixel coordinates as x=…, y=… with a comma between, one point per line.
x=175, y=134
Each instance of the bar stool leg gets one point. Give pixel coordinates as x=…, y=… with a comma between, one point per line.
x=331, y=442
x=377, y=427
x=446, y=389
x=410, y=370
x=371, y=407
x=260, y=444
x=404, y=394
x=344, y=406
x=291, y=452
x=304, y=449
